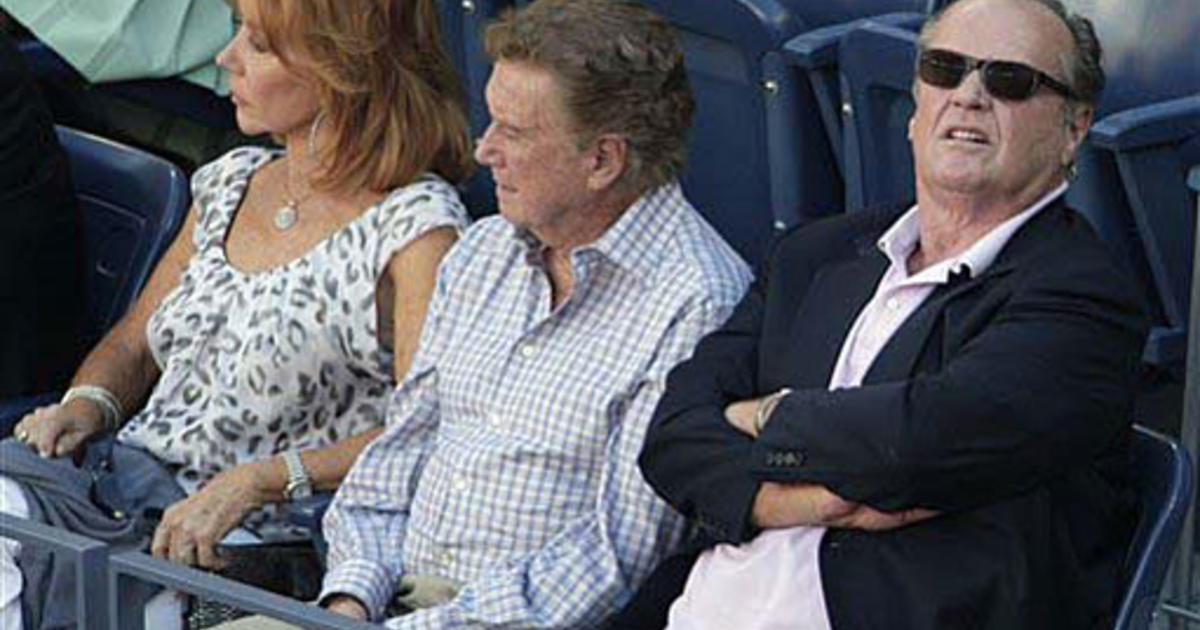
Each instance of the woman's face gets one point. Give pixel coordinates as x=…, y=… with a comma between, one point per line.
x=269, y=96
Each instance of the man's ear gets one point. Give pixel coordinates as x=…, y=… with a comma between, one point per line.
x=609, y=160
x=1078, y=119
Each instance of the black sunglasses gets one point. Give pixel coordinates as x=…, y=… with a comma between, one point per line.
x=1006, y=80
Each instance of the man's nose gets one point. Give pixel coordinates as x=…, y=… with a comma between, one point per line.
x=971, y=92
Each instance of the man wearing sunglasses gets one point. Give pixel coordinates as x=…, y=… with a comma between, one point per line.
x=918, y=417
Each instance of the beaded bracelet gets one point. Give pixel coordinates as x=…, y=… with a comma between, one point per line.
x=110, y=407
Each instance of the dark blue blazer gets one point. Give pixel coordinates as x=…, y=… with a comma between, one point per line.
x=1003, y=402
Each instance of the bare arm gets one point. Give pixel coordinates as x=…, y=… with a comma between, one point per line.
x=121, y=362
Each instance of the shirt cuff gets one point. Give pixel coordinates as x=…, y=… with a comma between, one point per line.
x=368, y=582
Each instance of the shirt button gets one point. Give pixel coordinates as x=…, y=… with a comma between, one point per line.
x=893, y=304
x=459, y=484
x=447, y=558
x=494, y=422
x=528, y=350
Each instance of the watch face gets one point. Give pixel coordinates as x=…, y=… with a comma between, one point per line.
x=298, y=489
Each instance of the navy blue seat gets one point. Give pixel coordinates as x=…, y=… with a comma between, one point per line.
x=1151, y=146
x=132, y=205
x=1163, y=476
x=1132, y=171
x=875, y=58
x=816, y=53
x=757, y=160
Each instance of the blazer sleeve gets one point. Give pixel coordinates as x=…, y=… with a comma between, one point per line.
x=691, y=456
x=1044, y=385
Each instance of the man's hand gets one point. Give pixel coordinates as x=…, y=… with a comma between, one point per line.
x=779, y=505
x=191, y=528
x=347, y=605
x=741, y=415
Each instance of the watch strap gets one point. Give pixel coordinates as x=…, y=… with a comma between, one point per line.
x=299, y=486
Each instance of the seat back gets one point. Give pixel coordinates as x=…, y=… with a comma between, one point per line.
x=1163, y=476
x=1131, y=175
x=132, y=205
x=1136, y=188
x=758, y=157
x=876, y=62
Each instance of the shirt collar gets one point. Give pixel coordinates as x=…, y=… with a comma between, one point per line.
x=902, y=237
x=635, y=242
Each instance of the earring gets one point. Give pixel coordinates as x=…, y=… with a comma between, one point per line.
x=312, y=132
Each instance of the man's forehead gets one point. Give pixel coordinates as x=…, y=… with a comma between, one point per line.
x=1017, y=30
x=523, y=94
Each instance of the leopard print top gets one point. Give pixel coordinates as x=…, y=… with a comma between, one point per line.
x=253, y=363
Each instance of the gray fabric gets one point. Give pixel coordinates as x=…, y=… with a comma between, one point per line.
x=118, y=477
x=416, y=592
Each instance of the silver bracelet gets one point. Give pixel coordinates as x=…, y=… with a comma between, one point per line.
x=299, y=484
x=766, y=406
x=110, y=407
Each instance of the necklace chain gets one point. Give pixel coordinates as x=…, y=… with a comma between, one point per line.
x=288, y=214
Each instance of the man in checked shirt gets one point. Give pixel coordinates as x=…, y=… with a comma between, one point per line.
x=505, y=491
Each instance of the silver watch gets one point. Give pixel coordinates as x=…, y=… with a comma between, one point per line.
x=299, y=486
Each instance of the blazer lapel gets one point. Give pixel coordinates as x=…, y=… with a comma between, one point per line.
x=899, y=355
x=837, y=294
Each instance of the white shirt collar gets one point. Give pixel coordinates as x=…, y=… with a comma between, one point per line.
x=898, y=242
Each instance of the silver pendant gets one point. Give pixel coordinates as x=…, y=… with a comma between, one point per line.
x=286, y=216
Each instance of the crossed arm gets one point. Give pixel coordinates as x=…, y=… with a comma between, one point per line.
x=1039, y=385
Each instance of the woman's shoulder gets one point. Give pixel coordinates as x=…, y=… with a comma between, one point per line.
x=428, y=198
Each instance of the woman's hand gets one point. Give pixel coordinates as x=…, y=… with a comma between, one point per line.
x=191, y=529
x=58, y=430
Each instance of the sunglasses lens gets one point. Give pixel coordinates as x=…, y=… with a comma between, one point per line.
x=1009, y=80
x=942, y=68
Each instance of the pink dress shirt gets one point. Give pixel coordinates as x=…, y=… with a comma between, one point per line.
x=774, y=581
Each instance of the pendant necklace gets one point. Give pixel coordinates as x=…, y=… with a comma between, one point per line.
x=289, y=214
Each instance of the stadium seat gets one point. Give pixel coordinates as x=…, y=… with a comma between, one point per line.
x=875, y=63
x=1152, y=146
x=757, y=159
x=1163, y=475
x=132, y=205
x=816, y=53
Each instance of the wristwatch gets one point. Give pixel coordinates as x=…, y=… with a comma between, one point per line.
x=299, y=486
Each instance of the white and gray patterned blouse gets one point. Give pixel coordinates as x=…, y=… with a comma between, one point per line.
x=254, y=362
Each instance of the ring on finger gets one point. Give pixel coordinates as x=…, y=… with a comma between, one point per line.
x=22, y=434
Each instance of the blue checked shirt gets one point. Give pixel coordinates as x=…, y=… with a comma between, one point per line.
x=510, y=459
